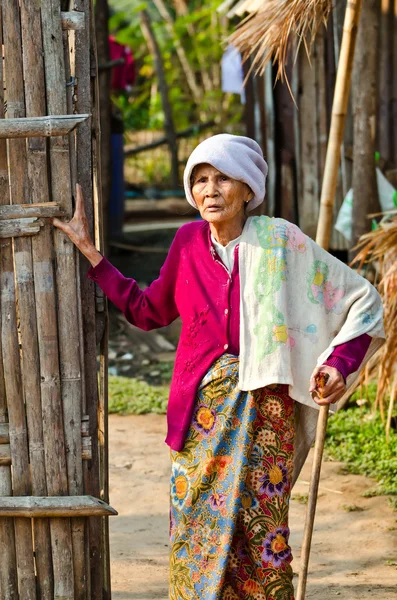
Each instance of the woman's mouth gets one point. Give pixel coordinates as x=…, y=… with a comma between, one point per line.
x=213, y=208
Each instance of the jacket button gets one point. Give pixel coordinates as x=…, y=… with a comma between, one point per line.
x=226, y=311
x=226, y=346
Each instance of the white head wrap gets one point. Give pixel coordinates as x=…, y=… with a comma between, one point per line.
x=237, y=157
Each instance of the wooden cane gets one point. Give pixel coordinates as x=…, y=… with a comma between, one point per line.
x=339, y=110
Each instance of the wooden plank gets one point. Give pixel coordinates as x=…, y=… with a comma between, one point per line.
x=270, y=141
x=309, y=199
x=17, y=157
x=56, y=507
x=40, y=126
x=20, y=227
x=8, y=562
x=23, y=211
x=73, y=20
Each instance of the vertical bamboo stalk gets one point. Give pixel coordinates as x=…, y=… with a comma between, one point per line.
x=8, y=564
x=69, y=338
x=87, y=290
x=103, y=373
x=339, y=109
x=41, y=245
x=80, y=530
x=12, y=369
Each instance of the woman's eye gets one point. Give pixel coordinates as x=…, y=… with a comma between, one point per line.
x=224, y=178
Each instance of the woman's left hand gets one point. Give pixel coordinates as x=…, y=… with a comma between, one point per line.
x=333, y=389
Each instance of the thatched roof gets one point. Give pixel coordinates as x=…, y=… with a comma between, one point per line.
x=268, y=26
x=380, y=246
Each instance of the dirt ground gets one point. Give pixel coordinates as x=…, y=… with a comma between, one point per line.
x=354, y=551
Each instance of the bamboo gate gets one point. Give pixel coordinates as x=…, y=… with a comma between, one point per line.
x=53, y=456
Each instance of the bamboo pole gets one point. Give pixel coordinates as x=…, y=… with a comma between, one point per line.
x=17, y=157
x=84, y=166
x=102, y=313
x=69, y=347
x=339, y=110
x=27, y=127
x=8, y=564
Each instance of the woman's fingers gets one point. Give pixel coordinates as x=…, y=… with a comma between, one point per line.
x=331, y=390
x=80, y=209
x=59, y=224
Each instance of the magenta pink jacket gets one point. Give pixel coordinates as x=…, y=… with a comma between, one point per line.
x=195, y=285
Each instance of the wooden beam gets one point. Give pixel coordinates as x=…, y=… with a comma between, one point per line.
x=73, y=20
x=19, y=227
x=54, y=506
x=23, y=211
x=50, y=126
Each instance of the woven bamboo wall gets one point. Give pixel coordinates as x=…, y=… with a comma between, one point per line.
x=53, y=484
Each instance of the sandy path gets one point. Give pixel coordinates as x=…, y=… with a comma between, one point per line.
x=350, y=552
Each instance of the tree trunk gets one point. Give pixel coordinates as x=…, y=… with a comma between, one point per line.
x=364, y=109
x=168, y=120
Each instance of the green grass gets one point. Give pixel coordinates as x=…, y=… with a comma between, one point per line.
x=133, y=397
x=357, y=439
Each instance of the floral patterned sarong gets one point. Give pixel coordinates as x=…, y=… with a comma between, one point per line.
x=230, y=489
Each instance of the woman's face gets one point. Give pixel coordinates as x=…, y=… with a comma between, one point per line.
x=219, y=197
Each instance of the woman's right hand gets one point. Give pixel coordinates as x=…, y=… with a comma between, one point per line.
x=78, y=232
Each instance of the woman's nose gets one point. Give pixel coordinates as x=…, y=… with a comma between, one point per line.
x=211, y=189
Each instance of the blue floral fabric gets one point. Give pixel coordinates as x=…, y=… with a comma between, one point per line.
x=230, y=489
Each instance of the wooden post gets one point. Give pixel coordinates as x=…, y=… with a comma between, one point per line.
x=364, y=92
x=8, y=563
x=102, y=45
x=101, y=315
x=384, y=88
x=339, y=109
x=154, y=49
x=87, y=287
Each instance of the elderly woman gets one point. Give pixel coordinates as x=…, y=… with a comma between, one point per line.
x=272, y=327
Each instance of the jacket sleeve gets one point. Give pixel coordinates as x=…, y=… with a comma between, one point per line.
x=348, y=357
x=147, y=309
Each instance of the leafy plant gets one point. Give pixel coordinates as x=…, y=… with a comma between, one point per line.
x=357, y=437
x=131, y=396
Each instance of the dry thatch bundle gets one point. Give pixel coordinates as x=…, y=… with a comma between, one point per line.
x=267, y=29
x=380, y=246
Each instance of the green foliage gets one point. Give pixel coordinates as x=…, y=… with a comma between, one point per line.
x=134, y=397
x=202, y=38
x=357, y=438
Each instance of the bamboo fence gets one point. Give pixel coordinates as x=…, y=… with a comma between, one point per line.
x=53, y=510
